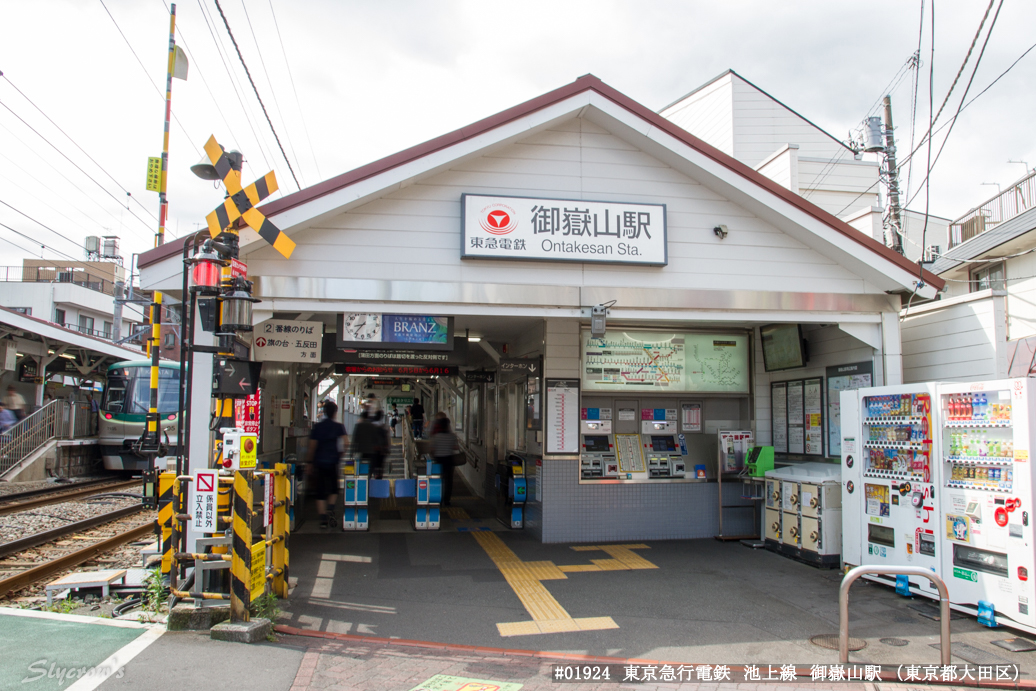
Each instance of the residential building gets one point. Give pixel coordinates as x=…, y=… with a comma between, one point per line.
x=743, y=121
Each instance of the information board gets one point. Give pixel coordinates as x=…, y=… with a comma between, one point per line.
x=665, y=362
x=203, y=501
x=797, y=416
x=287, y=340
x=690, y=417
x=840, y=378
x=562, y=416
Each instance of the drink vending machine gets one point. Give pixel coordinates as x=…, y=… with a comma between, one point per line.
x=987, y=498
x=890, y=481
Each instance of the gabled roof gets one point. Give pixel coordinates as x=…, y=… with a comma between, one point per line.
x=779, y=102
x=587, y=83
x=986, y=241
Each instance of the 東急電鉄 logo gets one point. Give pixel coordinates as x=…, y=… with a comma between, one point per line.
x=498, y=219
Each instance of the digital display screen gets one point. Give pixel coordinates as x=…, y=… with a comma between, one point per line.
x=660, y=443
x=596, y=442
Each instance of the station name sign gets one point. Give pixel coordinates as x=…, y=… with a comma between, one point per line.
x=563, y=230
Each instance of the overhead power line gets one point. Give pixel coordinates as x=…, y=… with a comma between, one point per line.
x=76, y=144
x=76, y=165
x=276, y=102
x=291, y=78
x=160, y=93
x=60, y=235
x=257, y=96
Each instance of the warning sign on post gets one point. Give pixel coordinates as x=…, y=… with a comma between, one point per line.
x=203, y=501
x=258, y=575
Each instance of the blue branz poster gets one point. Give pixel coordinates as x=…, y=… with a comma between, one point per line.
x=415, y=328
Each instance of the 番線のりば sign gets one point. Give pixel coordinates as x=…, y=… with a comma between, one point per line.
x=562, y=230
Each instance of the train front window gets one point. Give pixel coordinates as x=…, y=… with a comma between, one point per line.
x=114, y=395
x=135, y=395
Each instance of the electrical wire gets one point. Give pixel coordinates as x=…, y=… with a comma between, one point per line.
x=74, y=164
x=76, y=144
x=210, y=25
x=64, y=237
x=44, y=202
x=269, y=82
x=148, y=76
x=298, y=104
x=257, y=96
x=66, y=178
x=966, y=57
x=52, y=249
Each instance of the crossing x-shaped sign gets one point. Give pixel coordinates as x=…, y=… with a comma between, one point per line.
x=241, y=202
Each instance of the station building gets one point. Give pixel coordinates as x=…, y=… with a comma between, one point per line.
x=511, y=231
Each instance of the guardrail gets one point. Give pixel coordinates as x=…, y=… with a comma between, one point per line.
x=843, y=605
x=1007, y=204
x=57, y=419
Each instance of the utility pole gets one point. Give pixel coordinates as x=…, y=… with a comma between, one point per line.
x=895, y=213
x=120, y=296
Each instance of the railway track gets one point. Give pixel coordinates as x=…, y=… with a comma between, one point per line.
x=13, y=504
x=70, y=560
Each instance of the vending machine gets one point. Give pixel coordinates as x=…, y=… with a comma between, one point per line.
x=987, y=500
x=890, y=477
x=597, y=450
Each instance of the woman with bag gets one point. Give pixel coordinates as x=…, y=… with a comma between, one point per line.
x=445, y=450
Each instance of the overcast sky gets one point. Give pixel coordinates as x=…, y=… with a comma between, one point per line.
x=373, y=78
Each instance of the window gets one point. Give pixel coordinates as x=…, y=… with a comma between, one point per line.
x=86, y=324
x=988, y=277
x=27, y=311
x=168, y=339
x=59, y=316
x=107, y=329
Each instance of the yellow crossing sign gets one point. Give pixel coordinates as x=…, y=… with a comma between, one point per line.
x=242, y=201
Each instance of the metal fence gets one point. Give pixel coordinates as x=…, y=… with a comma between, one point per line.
x=1005, y=205
x=55, y=420
x=76, y=275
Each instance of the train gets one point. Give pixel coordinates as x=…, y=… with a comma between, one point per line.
x=123, y=411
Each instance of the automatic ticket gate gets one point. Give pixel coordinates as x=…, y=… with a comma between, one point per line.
x=355, y=484
x=511, y=506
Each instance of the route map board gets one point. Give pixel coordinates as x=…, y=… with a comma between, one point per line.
x=665, y=362
x=631, y=457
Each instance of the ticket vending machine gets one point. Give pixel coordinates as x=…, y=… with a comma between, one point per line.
x=597, y=461
x=662, y=453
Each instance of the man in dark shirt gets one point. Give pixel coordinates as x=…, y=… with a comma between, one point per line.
x=417, y=413
x=327, y=441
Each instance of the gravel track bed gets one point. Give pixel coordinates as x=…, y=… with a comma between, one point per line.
x=16, y=487
x=24, y=523
x=123, y=557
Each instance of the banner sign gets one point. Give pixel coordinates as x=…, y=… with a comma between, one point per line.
x=398, y=370
x=574, y=230
x=457, y=356
x=410, y=331
x=287, y=340
x=247, y=416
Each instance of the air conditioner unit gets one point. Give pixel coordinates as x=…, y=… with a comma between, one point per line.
x=92, y=243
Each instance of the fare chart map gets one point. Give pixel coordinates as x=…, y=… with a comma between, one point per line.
x=692, y=362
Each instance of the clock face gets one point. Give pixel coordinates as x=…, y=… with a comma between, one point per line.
x=363, y=327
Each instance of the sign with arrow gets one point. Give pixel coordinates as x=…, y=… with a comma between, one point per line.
x=531, y=366
x=236, y=378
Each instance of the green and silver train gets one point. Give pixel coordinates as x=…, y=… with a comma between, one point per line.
x=124, y=407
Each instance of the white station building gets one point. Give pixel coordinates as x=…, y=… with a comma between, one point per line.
x=511, y=230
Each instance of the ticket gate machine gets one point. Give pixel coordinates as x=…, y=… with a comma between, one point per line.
x=429, y=498
x=598, y=459
x=355, y=479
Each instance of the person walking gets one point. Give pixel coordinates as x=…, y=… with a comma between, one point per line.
x=327, y=441
x=394, y=419
x=369, y=443
x=14, y=402
x=444, y=447
x=417, y=418
x=7, y=418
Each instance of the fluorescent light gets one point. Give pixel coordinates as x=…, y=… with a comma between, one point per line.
x=474, y=339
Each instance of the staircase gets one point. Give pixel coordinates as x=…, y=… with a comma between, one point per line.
x=56, y=420
x=395, y=466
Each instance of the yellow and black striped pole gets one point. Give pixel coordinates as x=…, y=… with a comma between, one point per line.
x=241, y=561
x=280, y=529
x=166, y=481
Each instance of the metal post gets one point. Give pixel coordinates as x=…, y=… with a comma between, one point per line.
x=895, y=215
x=843, y=605
x=281, y=483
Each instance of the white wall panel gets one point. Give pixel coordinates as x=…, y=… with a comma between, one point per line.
x=962, y=341
x=707, y=114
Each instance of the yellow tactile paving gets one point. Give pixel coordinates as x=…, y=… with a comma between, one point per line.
x=524, y=577
x=457, y=513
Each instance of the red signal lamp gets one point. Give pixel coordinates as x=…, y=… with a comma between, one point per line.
x=206, y=270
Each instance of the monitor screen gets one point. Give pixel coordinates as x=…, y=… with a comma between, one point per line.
x=662, y=443
x=782, y=347
x=596, y=442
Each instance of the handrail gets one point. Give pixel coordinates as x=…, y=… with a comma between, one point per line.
x=843, y=605
x=57, y=419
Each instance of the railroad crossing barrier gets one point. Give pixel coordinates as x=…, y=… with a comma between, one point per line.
x=258, y=559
